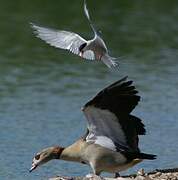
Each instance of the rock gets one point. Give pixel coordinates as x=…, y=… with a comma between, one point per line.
x=140, y=178
x=158, y=174
x=62, y=178
x=174, y=178
x=121, y=178
x=141, y=172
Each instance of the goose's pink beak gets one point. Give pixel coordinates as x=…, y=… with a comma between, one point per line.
x=34, y=166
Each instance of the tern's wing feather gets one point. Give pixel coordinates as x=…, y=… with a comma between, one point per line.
x=60, y=39
x=88, y=18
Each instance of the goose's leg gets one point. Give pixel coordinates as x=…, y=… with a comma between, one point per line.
x=117, y=175
x=95, y=175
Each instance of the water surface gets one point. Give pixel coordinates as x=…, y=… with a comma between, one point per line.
x=42, y=89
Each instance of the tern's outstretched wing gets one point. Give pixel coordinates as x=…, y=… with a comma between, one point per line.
x=88, y=18
x=62, y=39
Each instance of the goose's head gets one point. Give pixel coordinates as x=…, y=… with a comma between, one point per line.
x=46, y=155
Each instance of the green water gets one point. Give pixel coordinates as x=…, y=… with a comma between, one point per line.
x=43, y=88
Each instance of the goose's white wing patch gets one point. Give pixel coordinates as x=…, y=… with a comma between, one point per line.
x=102, y=141
x=60, y=39
x=104, y=123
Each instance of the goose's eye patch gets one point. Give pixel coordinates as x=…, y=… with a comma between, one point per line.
x=37, y=157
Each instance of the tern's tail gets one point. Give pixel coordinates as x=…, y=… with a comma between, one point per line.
x=109, y=61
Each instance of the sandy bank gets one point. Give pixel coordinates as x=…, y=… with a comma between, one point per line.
x=159, y=174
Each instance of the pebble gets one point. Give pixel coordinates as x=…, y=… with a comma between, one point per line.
x=140, y=178
x=158, y=174
x=141, y=172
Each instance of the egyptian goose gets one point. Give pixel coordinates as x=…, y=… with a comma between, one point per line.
x=94, y=49
x=111, y=141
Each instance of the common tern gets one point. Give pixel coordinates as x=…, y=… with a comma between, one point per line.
x=94, y=49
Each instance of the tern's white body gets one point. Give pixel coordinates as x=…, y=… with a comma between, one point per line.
x=98, y=46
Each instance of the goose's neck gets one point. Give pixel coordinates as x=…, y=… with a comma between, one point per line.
x=72, y=152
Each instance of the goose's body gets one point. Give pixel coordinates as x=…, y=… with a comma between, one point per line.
x=111, y=141
x=94, y=49
x=99, y=158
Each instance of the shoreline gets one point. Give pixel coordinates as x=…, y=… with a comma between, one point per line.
x=157, y=174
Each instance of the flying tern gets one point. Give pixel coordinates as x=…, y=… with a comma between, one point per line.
x=94, y=49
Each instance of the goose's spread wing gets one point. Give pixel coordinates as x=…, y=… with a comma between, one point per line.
x=109, y=121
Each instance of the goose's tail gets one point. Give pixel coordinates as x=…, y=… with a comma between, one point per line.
x=138, y=155
x=147, y=156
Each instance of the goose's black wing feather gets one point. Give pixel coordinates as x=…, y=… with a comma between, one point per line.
x=108, y=114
